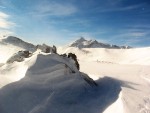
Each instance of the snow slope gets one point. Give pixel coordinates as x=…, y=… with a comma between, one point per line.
x=54, y=85
x=10, y=45
x=11, y=72
x=135, y=94
x=130, y=65
x=113, y=56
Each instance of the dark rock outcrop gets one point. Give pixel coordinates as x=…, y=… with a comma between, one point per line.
x=74, y=57
x=19, y=57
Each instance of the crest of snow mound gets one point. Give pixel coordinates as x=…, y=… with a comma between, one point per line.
x=83, y=43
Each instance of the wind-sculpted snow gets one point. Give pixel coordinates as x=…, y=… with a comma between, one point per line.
x=11, y=72
x=54, y=85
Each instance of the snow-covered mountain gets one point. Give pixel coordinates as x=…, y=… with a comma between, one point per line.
x=83, y=43
x=11, y=45
x=18, y=42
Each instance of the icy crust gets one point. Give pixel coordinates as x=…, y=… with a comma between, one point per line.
x=54, y=85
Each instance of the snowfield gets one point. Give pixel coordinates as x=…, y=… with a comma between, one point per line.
x=138, y=56
x=109, y=81
x=129, y=66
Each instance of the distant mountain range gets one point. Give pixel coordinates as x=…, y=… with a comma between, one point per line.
x=80, y=43
x=83, y=43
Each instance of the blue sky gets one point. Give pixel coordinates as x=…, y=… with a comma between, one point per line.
x=121, y=22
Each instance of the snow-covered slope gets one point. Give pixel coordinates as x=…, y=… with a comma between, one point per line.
x=83, y=43
x=10, y=45
x=11, y=72
x=139, y=56
x=54, y=85
x=135, y=94
x=130, y=65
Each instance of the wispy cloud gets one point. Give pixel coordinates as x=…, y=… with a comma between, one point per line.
x=3, y=15
x=116, y=8
x=139, y=30
x=5, y=24
x=54, y=9
x=2, y=7
x=5, y=32
x=130, y=35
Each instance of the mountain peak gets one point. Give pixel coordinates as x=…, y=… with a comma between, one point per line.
x=83, y=43
x=81, y=39
x=19, y=43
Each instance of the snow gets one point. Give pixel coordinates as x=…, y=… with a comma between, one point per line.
x=15, y=71
x=129, y=66
x=136, y=88
x=11, y=45
x=116, y=107
x=49, y=83
x=19, y=43
x=138, y=56
x=6, y=51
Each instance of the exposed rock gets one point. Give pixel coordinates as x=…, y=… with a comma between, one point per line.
x=74, y=57
x=54, y=49
x=19, y=57
x=47, y=49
